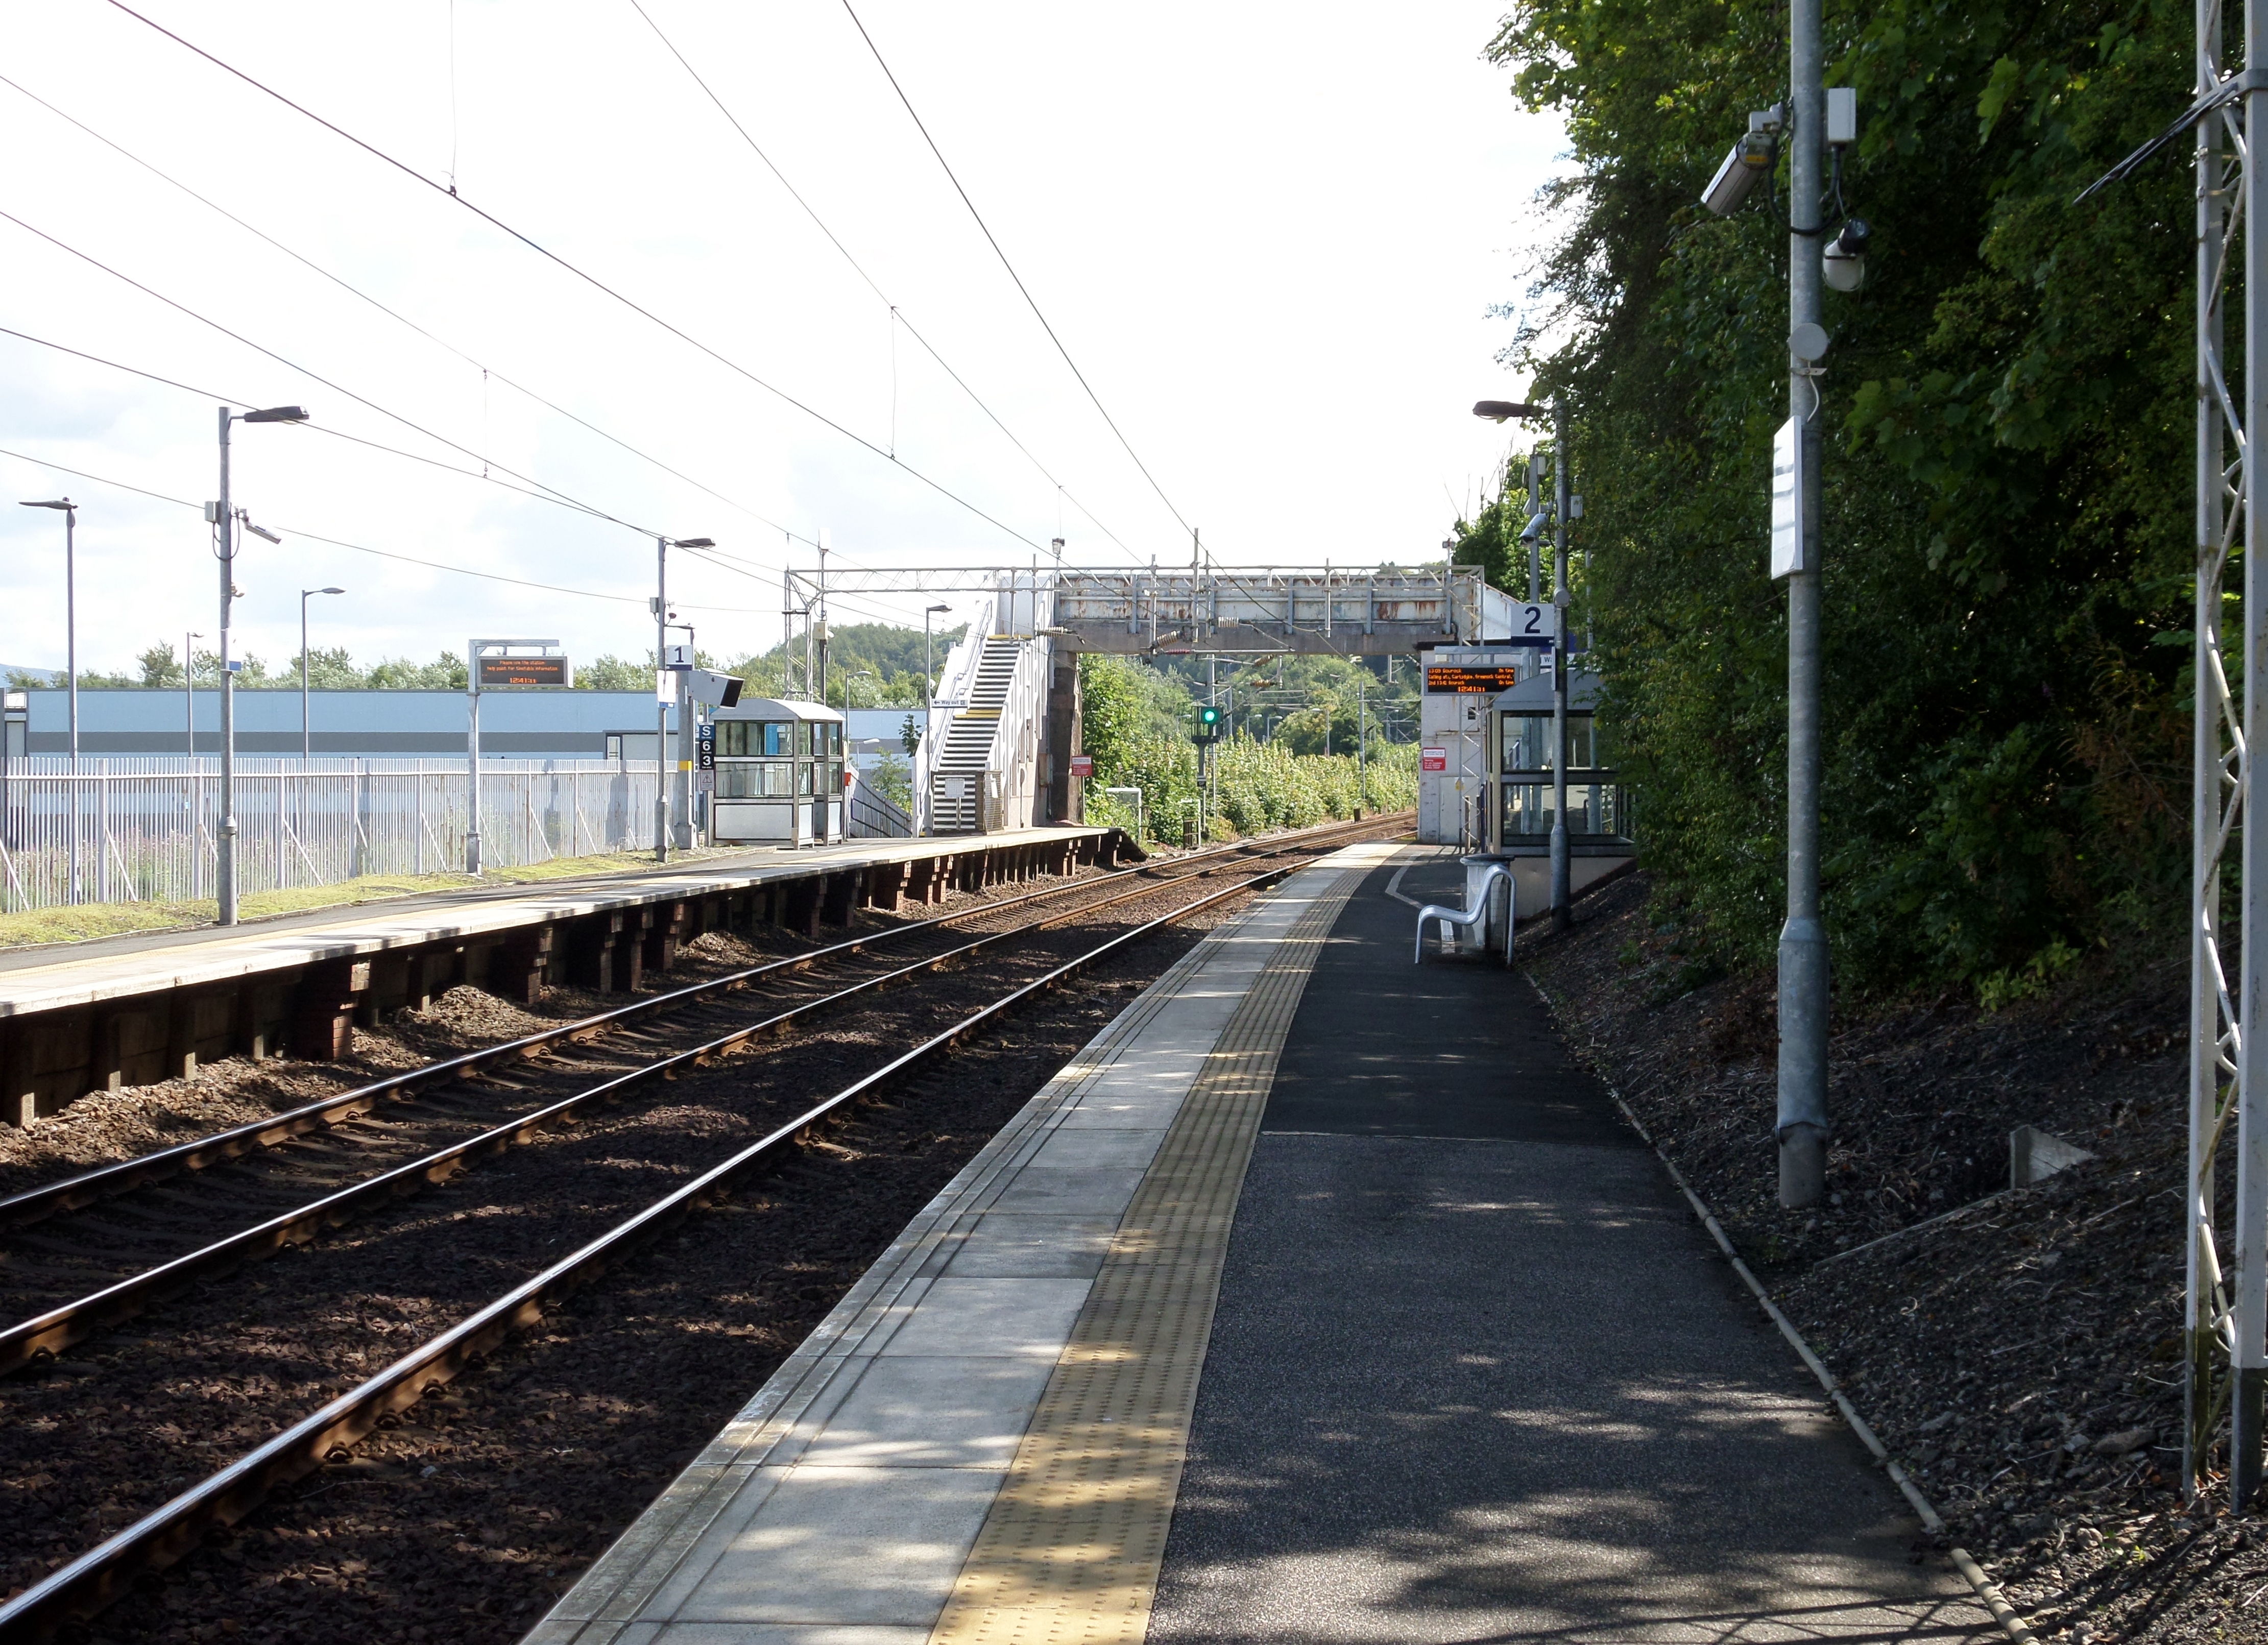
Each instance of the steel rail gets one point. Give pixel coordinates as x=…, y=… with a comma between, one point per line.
x=84, y=1584
x=85, y=1188
x=40, y=1339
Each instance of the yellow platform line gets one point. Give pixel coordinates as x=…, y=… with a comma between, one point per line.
x=1071, y=1550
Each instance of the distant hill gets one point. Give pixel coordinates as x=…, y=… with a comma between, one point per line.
x=18, y=675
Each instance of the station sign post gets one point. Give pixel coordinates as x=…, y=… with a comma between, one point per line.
x=503, y=665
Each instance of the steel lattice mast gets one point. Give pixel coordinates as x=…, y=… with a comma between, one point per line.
x=2225, y=1317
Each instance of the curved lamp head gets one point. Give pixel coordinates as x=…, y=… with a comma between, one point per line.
x=1504, y=410
x=276, y=414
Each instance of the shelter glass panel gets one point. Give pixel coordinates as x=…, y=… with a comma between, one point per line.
x=1593, y=808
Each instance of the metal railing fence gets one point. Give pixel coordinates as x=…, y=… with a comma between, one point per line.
x=143, y=829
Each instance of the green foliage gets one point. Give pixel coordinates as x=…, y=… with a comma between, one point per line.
x=893, y=778
x=891, y=654
x=1137, y=725
x=2005, y=507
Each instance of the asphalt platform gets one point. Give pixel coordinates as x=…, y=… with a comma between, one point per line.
x=1476, y=1373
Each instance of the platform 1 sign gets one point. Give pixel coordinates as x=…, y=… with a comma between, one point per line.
x=1082, y=766
x=1433, y=760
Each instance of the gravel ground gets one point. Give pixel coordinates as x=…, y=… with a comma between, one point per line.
x=2019, y=1350
x=479, y=1507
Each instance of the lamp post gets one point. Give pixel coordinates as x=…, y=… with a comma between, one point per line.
x=863, y=674
x=189, y=688
x=307, y=733
x=929, y=675
x=1801, y=1120
x=661, y=784
x=224, y=522
x=71, y=657
x=1498, y=411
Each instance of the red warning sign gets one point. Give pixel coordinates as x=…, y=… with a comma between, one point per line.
x=1433, y=760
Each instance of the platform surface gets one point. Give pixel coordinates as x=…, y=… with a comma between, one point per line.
x=1320, y=1298
x=53, y=978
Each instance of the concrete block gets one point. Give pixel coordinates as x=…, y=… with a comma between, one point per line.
x=2035, y=1155
x=908, y=1412
x=829, y=1549
x=1023, y=1319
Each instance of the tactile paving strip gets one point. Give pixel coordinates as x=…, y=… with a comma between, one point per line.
x=1071, y=1550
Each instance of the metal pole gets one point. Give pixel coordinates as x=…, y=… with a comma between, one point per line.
x=472, y=759
x=2216, y=794
x=680, y=782
x=1802, y=1121
x=1562, y=914
x=661, y=704
x=189, y=688
x=225, y=844
x=306, y=737
x=1535, y=543
x=71, y=668
x=820, y=695
x=2250, y=1303
x=1362, y=740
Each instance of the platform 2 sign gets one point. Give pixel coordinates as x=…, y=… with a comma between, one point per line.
x=502, y=673
x=1433, y=760
x=1464, y=677
x=1082, y=766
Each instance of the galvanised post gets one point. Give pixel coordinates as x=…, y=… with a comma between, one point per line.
x=224, y=841
x=1802, y=1121
x=2248, y=1304
x=1562, y=915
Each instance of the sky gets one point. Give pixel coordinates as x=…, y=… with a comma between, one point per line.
x=1270, y=240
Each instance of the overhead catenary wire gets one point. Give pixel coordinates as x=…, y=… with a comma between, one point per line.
x=310, y=375
x=356, y=291
x=897, y=315
x=579, y=273
x=1026, y=290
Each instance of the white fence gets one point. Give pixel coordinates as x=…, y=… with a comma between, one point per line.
x=143, y=829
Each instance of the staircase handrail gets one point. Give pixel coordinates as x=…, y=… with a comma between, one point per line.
x=954, y=684
x=1012, y=768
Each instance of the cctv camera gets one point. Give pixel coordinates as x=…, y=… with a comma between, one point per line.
x=1843, y=264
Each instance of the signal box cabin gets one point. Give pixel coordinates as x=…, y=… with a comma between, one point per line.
x=779, y=774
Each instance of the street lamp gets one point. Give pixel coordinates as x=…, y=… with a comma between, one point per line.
x=863, y=674
x=224, y=522
x=663, y=693
x=306, y=735
x=189, y=687
x=1497, y=411
x=929, y=675
x=70, y=657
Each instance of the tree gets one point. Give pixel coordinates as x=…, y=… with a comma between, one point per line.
x=2005, y=500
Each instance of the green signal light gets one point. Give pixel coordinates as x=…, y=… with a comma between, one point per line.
x=1208, y=716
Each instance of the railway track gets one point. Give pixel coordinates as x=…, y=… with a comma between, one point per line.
x=60, y=1285
x=1032, y=949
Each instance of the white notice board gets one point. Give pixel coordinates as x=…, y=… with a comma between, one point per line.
x=1787, y=500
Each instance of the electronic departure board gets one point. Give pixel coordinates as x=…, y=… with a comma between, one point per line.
x=1467, y=677
x=507, y=671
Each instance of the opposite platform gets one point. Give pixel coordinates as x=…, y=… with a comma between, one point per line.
x=135, y=1010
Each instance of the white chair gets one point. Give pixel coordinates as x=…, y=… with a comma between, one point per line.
x=1472, y=916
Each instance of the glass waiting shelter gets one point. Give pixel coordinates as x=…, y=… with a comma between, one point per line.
x=1521, y=764
x=779, y=774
